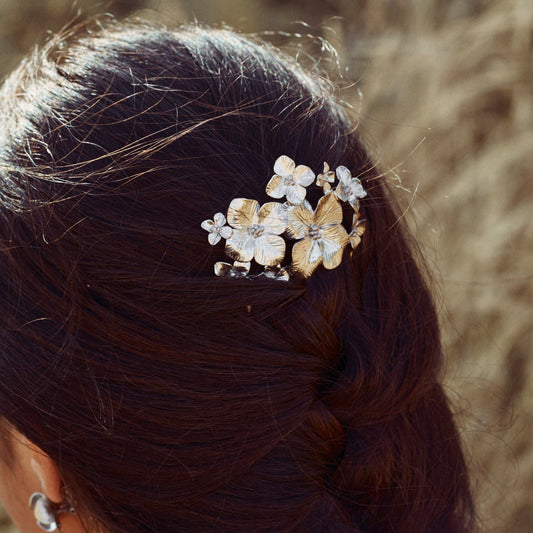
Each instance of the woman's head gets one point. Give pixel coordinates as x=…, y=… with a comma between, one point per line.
x=169, y=398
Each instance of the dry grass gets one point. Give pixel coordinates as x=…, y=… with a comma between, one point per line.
x=448, y=105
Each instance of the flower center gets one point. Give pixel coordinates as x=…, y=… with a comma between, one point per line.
x=289, y=180
x=256, y=230
x=314, y=232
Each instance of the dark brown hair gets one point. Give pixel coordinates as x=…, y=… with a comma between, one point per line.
x=173, y=400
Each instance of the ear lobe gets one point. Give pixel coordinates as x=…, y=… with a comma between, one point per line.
x=47, y=472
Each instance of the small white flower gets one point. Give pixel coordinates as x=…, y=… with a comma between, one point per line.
x=349, y=189
x=216, y=229
x=289, y=180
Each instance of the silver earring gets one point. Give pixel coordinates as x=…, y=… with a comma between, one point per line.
x=45, y=511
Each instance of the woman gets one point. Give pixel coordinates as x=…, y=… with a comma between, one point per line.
x=204, y=326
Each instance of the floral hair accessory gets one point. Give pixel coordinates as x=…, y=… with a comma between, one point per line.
x=260, y=233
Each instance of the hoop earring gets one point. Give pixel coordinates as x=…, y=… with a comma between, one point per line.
x=45, y=511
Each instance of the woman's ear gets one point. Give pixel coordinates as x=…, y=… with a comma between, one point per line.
x=47, y=472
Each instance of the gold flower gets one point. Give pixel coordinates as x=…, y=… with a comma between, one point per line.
x=325, y=179
x=323, y=236
x=289, y=180
x=257, y=231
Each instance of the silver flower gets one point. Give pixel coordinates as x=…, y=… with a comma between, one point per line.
x=257, y=231
x=277, y=272
x=237, y=270
x=216, y=229
x=349, y=189
x=289, y=180
x=325, y=179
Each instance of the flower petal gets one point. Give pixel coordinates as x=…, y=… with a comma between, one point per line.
x=222, y=269
x=207, y=225
x=355, y=239
x=273, y=218
x=332, y=244
x=240, y=268
x=299, y=220
x=357, y=231
x=276, y=187
x=240, y=246
x=276, y=272
x=331, y=256
x=300, y=257
x=213, y=238
x=336, y=234
x=219, y=219
x=328, y=211
x=269, y=249
x=226, y=232
x=315, y=253
x=303, y=175
x=284, y=165
x=357, y=188
x=243, y=213
x=343, y=174
x=295, y=194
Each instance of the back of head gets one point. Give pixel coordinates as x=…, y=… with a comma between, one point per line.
x=175, y=400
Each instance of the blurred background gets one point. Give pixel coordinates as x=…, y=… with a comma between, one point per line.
x=443, y=91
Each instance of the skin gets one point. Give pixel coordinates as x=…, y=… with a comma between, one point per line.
x=27, y=470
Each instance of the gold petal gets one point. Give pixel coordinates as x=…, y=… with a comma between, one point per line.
x=276, y=187
x=222, y=269
x=331, y=261
x=303, y=175
x=240, y=246
x=284, y=165
x=328, y=211
x=335, y=233
x=299, y=220
x=355, y=239
x=273, y=217
x=243, y=213
x=269, y=249
x=300, y=258
x=357, y=232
